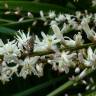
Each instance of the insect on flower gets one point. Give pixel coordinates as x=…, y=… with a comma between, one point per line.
x=30, y=44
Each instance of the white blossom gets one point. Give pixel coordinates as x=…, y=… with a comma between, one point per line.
x=78, y=39
x=93, y=3
x=48, y=42
x=63, y=61
x=29, y=14
x=42, y=15
x=78, y=14
x=60, y=18
x=10, y=55
x=39, y=68
x=68, y=17
x=79, y=94
x=65, y=28
x=74, y=43
x=22, y=39
x=4, y=73
x=91, y=35
x=21, y=19
x=71, y=21
x=9, y=71
x=4, y=78
x=91, y=58
x=1, y=43
x=53, y=22
x=77, y=70
x=69, y=42
x=57, y=32
x=83, y=73
x=51, y=14
x=28, y=66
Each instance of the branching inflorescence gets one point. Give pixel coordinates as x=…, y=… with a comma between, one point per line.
x=26, y=55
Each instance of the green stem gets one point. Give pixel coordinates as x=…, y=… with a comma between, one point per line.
x=16, y=23
x=4, y=20
x=21, y=22
x=40, y=53
x=68, y=84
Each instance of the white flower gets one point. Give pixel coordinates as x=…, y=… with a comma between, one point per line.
x=91, y=35
x=88, y=17
x=29, y=14
x=68, y=17
x=65, y=28
x=22, y=39
x=83, y=73
x=60, y=18
x=93, y=3
x=74, y=25
x=3, y=73
x=78, y=39
x=1, y=43
x=9, y=71
x=78, y=14
x=10, y=51
x=77, y=70
x=42, y=16
x=94, y=18
x=72, y=21
x=63, y=61
x=39, y=68
x=57, y=32
x=13, y=70
x=21, y=19
x=69, y=42
x=51, y=14
x=11, y=58
x=53, y=22
x=28, y=66
x=48, y=42
x=4, y=78
x=74, y=43
x=91, y=58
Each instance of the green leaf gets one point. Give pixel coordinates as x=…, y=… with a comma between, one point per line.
x=7, y=31
x=93, y=9
x=91, y=94
x=34, y=7
x=17, y=23
x=39, y=87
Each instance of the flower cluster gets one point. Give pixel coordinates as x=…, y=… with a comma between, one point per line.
x=21, y=57
x=93, y=2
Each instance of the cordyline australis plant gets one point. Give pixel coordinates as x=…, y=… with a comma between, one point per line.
x=28, y=54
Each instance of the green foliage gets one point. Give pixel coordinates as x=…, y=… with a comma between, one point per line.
x=39, y=87
x=33, y=6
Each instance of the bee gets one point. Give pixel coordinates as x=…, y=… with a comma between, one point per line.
x=1, y=61
x=30, y=44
